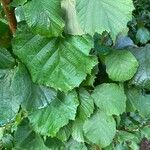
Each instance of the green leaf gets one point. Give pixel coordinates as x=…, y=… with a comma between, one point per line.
x=64, y=133
x=26, y=139
x=12, y=93
x=74, y=145
x=110, y=98
x=49, y=120
x=100, y=129
x=121, y=65
x=44, y=17
x=61, y=63
x=143, y=35
x=93, y=16
x=54, y=144
x=139, y=101
x=86, y=106
x=6, y=60
x=77, y=130
x=142, y=77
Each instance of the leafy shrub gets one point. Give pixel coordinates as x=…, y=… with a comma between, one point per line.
x=70, y=76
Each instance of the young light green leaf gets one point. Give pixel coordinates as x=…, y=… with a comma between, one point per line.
x=142, y=77
x=61, y=63
x=44, y=17
x=110, y=98
x=49, y=120
x=121, y=65
x=100, y=129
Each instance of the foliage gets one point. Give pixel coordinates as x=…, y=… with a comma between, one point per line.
x=73, y=76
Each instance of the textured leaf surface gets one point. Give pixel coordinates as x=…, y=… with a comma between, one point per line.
x=49, y=120
x=77, y=130
x=61, y=63
x=143, y=35
x=44, y=17
x=6, y=60
x=86, y=106
x=100, y=129
x=110, y=98
x=64, y=133
x=74, y=145
x=139, y=101
x=100, y=15
x=121, y=65
x=26, y=139
x=142, y=77
x=12, y=93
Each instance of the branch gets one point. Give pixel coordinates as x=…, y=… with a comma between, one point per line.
x=10, y=15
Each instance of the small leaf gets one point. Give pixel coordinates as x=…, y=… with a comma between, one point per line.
x=143, y=35
x=44, y=17
x=121, y=65
x=100, y=129
x=110, y=98
x=49, y=120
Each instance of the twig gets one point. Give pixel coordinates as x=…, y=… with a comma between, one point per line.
x=10, y=15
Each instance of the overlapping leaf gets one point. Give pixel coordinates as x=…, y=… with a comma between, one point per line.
x=49, y=120
x=44, y=17
x=100, y=129
x=142, y=77
x=26, y=139
x=6, y=60
x=93, y=16
x=61, y=63
x=121, y=65
x=138, y=101
x=110, y=98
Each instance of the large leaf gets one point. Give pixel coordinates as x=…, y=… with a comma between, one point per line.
x=44, y=17
x=86, y=106
x=110, y=98
x=62, y=63
x=12, y=93
x=142, y=77
x=26, y=139
x=138, y=101
x=49, y=120
x=93, y=16
x=100, y=129
x=6, y=60
x=121, y=65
